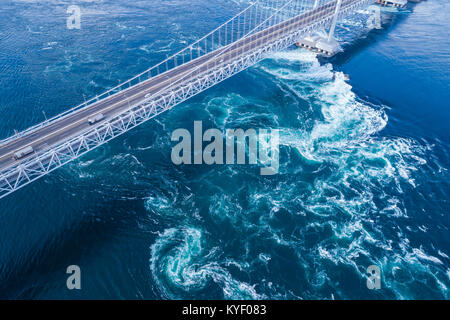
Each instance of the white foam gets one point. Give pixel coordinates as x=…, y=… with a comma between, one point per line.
x=179, y=262
x=422, y=255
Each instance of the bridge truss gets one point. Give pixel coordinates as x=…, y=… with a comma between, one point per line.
x=263, y=28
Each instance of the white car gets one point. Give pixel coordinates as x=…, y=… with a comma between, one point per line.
x=96, y=119
x=23, y=153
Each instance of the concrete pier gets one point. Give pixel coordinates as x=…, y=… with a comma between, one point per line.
x=321, y=45
x=393, y=3
x=327, y=46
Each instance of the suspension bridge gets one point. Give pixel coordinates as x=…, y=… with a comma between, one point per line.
x=264, y=27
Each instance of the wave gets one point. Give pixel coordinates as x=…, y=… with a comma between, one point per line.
x=182, y=267
x=339, y=193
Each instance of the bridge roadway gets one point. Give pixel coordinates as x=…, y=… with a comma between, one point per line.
x=75, y=123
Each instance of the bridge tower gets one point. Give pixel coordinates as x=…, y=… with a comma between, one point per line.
x=261, y=29
x=327, y=46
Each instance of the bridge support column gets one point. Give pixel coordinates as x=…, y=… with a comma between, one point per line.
x=333, y=24
x=316, y=3
x=324, y=45
x=330, y=46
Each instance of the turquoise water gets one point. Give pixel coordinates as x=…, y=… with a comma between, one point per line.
x=363, y=163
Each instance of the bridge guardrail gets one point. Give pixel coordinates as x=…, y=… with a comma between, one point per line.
x=232, y=30
x=31, y=169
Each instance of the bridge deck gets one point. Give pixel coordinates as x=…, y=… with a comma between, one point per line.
x=75, y=123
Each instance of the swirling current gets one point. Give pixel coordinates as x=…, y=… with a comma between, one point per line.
x=363, y=176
